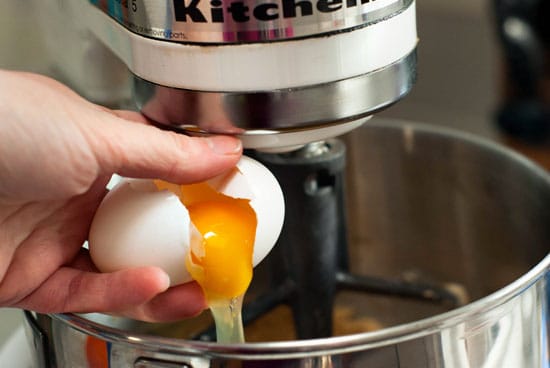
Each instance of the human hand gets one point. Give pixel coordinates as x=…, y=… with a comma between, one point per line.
x=57, y=152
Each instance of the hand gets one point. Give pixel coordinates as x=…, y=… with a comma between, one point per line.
x=57, y=152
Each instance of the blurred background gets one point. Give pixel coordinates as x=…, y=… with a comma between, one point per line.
x=459, y=67
x=469, y=77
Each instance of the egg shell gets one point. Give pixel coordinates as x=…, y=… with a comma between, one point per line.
x=138, y=225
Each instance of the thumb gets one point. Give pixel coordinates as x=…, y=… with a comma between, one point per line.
x=127, y=147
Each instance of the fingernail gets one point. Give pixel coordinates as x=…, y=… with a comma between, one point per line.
x=224, y=145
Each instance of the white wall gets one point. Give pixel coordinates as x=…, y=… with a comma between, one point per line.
x=468, y=8
x=458, y=70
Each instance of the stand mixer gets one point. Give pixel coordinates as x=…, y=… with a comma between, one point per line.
x=278, y=74
x=281, y=76
x=287, y=77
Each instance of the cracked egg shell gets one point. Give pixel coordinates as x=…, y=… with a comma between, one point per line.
x=137, y=224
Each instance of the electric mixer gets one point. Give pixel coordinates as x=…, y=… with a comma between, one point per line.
x=278, y=74
x=329, y=84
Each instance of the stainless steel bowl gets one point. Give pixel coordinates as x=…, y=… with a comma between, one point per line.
x=424, y=205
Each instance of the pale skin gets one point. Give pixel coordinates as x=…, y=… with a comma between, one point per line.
x=57, y=152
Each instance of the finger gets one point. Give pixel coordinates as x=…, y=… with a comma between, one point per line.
x=46, y=244
x=177, y=303
x=131, y=116
x=140, y=150
x=73, y=290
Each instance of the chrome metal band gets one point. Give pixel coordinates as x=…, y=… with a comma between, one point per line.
x=278, y=110
x=237, y=21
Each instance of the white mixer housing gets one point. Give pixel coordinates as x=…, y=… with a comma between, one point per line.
x=277, y=73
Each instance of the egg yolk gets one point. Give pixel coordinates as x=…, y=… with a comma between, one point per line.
x=222, y=264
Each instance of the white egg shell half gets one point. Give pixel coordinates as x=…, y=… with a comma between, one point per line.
x=137, y=225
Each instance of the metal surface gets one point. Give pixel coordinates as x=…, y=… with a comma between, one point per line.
x=268, y=103
x=265, y=112
x=245, y=21
x=422, y=203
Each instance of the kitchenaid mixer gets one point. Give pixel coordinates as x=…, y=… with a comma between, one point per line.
x=277, y=74
x=279, y=88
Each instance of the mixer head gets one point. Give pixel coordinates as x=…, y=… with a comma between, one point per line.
x=276, y=73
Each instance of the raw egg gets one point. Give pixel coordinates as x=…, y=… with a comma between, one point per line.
x=213, y=232
x=143, y=222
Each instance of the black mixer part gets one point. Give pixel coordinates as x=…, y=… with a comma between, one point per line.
x=313, y=237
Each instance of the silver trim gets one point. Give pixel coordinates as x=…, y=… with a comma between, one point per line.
x=267, y=112
x=304, y=18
